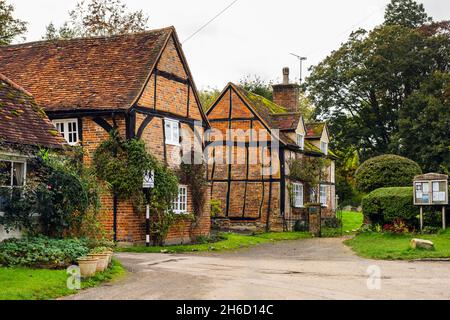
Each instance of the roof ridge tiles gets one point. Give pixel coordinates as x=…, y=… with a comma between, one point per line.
x=109, y=37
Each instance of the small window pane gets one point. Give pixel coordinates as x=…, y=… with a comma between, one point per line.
x=180, y=203
x=298, y=195
x=18, y=174
x=172, y=132
x=324, y=195
x=176, y=133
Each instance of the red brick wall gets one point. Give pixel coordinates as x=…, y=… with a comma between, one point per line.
x=171, y=97
x=287, y=95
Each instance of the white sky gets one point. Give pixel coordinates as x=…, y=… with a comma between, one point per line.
x=253, y=37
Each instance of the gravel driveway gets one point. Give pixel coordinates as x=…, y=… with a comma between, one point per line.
x=304, y=269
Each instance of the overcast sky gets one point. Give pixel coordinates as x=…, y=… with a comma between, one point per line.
x=254, y=37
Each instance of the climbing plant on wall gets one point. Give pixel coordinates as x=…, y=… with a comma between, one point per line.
x=121, y=164
x=309, y=170
x=58, y=191
x=194, y=176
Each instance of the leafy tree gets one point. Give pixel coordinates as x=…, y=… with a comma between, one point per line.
x=346, y=166
x=208, y=96
x=98, y=18
x=424, y=125
x=10, y=27
x=307, y=108
x=362, y=87
x=407, y=13
x=64, y=32
x=257, y=85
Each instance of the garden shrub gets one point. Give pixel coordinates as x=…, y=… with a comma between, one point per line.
x=390, y=205
x=386, y=205
x=59, y=193
x=386, y=171
x=41, y=252
x=216, y=208
x=301, y=226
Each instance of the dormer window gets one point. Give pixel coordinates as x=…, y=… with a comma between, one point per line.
x=301, y=141
x=324, y=147
x=69, y=129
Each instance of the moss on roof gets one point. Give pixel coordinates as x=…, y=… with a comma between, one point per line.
x=272, y=107
x=311, y=147
x=261, y=102
x=315, y=129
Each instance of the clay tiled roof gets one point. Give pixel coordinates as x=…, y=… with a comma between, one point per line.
x=286, y=121
x=22, y=121
x=309, y=147
x=277, y=117
x=80, y=74
x=315, y=130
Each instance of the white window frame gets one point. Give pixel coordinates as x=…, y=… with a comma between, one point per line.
x=173, y=132
x=180, y=204
x=324, y=195
x=66, y=133
x=324, y=147
x=11, y=185
x=301, y=141
x=298, y=195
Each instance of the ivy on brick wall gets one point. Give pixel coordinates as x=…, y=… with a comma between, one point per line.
x=194, y=176
x=121, y=164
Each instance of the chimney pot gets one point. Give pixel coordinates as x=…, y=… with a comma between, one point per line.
x=285, y=75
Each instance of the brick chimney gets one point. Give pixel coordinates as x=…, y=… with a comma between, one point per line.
x=287, y=94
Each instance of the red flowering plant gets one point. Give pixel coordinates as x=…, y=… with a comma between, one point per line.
x=398, y=227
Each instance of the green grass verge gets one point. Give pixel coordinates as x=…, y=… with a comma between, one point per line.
x=232, y=241
x=386, y=246
x=42, y=284
x=351, y=221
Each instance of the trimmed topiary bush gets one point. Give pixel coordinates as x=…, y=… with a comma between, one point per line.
x=388, y=205
x=386, y=171
x=385, y=205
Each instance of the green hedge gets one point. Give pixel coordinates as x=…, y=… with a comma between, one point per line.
x=41, y=252
x=388, y=204
x=386, y=171
x=385, y=205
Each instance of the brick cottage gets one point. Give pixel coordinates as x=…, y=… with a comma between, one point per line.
x=252, y=143
x=140, y=84
x=24, y=129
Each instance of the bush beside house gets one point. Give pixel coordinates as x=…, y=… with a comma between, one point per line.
x=392, y=205
x=385, y=205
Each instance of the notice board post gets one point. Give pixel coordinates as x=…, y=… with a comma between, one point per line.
x=430, y=190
